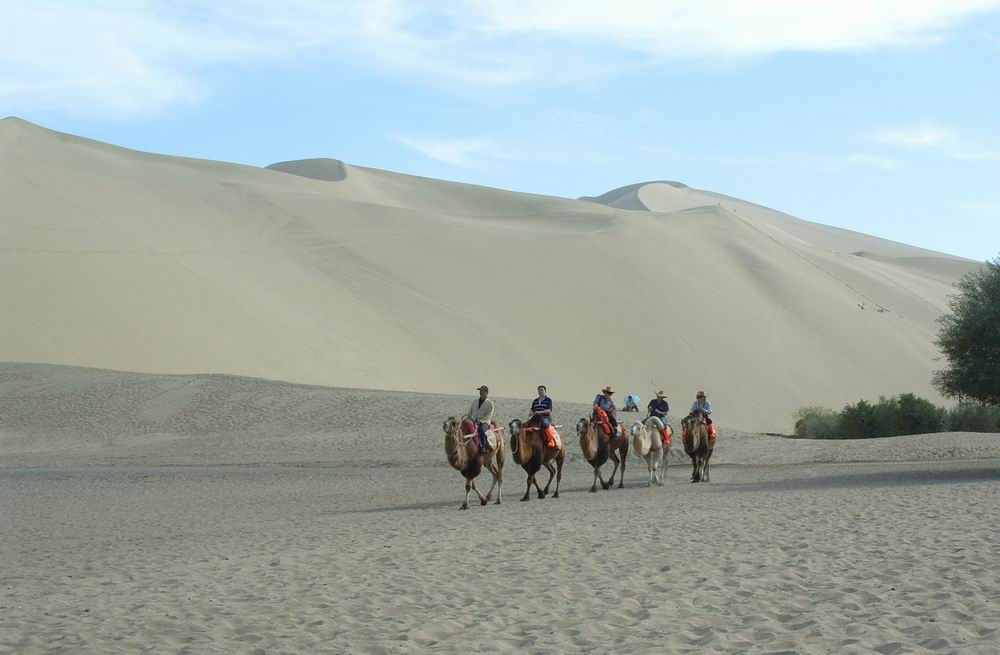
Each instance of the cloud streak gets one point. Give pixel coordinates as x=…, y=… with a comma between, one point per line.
x=128, y=57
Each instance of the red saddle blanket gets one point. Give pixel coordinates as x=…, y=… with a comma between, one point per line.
x=712, y=434
x=601, y=418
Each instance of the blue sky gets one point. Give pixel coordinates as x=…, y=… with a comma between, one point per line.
x=875, y=116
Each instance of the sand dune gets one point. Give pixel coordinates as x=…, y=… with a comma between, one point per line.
x=224, y=514
x=364, y=278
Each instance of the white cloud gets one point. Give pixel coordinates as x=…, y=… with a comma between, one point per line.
x=467, y=153
x=125, y=57
x=914, y=137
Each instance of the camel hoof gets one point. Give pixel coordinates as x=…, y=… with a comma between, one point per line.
x=541, y=496
x=465, y=506
x=621, y=485
x=593, y=490
x=498, y=502
x=555, y=495
x=525, y=499
x=483, y=501
x=605, y=486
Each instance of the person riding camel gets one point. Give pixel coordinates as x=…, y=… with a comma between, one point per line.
x=603, y=402
x=658, y=408
x=541, y=414
x=702, y=405
x=481, y=414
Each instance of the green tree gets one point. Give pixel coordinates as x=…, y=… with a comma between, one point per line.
x=970, y=338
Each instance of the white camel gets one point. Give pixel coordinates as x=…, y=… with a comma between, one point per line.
x=647, y=444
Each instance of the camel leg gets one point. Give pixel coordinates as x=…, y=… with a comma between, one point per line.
x=621, y=476
x=538, y=487
x=611, y=480
x=497, y=472
x=468, y=490
x=597, y=475
x=559, y=465
x=527, y=489
x=482, y=498
x=491, y=467
x=694, y=469
x=708, y=461
x=552, y=472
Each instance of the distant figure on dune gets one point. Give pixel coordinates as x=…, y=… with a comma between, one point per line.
x=631, y=403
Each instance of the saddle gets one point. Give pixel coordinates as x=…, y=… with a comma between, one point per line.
x=601, y=418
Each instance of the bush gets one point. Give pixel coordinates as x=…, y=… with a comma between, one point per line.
x=972, y=417
x=890, y=417
x=817, y=423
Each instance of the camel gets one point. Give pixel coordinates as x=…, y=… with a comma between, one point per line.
x=698, y=446
x=464, y=456
x=648, y=444
x=597, y=447
x=529, y=449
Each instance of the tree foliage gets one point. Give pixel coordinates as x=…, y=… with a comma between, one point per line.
x=970, y=338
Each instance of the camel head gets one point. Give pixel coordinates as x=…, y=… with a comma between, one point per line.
x=450, y=426
x=582, y=426
x=636, y=428
x=515, y=427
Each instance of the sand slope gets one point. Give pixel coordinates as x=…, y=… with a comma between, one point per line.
x=339, y=275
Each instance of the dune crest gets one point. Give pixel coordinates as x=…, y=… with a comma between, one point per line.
x=132, y=261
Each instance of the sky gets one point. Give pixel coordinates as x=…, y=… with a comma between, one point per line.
x=876, y=116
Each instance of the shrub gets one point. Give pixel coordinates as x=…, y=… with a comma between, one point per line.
x=816, y=423
x=890, y=417
x=972, y=417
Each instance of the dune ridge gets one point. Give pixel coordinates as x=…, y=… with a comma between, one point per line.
x=150, y=263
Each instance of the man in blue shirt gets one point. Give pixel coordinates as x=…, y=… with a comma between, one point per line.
x=659, y=406
x=541, y=410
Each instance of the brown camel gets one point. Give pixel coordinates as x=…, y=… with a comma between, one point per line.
x=598, y=447
x=530, y=449
x=698, y=446
x=464, y=456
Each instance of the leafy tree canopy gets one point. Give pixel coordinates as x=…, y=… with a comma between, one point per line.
x=970, y=338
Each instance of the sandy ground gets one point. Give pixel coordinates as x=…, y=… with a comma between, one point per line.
x=212, y=514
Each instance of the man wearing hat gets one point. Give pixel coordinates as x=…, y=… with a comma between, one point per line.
x=659, y=406
x=481, y=413
x=603, y=400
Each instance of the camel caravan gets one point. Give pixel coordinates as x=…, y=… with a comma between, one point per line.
x=475, y=442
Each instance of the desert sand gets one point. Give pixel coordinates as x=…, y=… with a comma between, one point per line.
x=220, y=514
x=321, y=272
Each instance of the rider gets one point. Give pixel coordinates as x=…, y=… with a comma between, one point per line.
x=603, y=400
x=659, y=406
x=541, y=412
x=541, y=409
x=702, y=405
x=481, y=414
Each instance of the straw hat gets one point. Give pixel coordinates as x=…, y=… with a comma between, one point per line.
x=608, y=389
x=661, y=394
